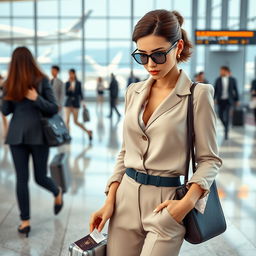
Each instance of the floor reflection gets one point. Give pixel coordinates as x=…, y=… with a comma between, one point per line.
x=91, y=165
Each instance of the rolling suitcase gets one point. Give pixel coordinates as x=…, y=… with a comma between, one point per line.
x=86, y=114
x=238, y=117
x=88, y=247
x=60, y=171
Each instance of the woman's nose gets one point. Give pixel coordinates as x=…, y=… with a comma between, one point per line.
x=151, y=63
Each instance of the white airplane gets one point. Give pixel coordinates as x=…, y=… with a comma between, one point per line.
x=105, y=70
x=42, y=59
x=25, y=36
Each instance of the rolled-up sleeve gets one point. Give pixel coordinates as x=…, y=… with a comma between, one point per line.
x=119, y=168
x=206, y=149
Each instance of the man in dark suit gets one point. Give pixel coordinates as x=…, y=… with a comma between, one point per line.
x=113, y=88
x=226, y=94
x=253, y=95
x=58, y=87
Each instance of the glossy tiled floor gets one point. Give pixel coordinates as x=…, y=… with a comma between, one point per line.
x=91, y=166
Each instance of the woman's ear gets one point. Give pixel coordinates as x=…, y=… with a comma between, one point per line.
x=180, y=46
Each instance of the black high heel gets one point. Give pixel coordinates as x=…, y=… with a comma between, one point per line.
x=24, y=230
x=90, y=136
x=58, y=207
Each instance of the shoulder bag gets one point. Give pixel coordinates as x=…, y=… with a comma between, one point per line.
x=54, y=128
x=200, y=227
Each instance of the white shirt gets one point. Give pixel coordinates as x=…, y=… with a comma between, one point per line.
x=225, y=80
x=72, y=85
x=100, y=86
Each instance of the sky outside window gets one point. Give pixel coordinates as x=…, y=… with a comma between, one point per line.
x=99, y=7
x=5, y=9
x=119, y=8
x=71, y=8
x=48, y=8
x=23, y=8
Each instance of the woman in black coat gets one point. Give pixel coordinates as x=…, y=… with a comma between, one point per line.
x=25, y=134
x=74, y=96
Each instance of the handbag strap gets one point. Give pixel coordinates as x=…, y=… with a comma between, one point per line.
x=190, y=134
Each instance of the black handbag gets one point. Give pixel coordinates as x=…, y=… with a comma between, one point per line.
x=55, y=130
x=200, y=227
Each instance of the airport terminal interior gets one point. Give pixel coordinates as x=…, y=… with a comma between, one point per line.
x=94, y=38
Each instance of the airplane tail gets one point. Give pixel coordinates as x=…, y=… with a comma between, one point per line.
x=93, y=63
x=112, y=67
x=115, y=61
x=76, y=27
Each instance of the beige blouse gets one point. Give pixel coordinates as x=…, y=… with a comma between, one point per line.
x=158, y=148
x=200, y=205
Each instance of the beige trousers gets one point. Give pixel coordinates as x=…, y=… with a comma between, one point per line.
x=134, y=230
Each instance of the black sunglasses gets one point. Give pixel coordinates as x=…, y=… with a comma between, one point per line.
x=157, y=57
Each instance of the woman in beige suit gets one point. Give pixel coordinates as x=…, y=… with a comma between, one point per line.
x=145, y=220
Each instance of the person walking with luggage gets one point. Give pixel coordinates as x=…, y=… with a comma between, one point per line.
x=74, y=96
x=253, y=96
x=58, y=87
x=145, y=219
x=226, y=94
x=100, y=93
x=25, y=134
x=113, y=97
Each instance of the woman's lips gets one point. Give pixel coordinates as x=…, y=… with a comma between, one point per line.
x=154, y=72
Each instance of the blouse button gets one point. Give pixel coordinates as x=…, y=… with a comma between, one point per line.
x=144, y=137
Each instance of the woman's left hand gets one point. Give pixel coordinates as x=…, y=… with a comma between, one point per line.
x=178, y=209
x=32, y=94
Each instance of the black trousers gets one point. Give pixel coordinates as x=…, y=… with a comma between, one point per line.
x=113, y=102
x=224, y=113
x=20, y=155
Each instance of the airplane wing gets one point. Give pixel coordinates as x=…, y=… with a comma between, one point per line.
x=18, y=32
x=42, y=59
x=105, y=70
x=26, y=36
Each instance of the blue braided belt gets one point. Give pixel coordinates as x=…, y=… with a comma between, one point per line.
x=157, y=181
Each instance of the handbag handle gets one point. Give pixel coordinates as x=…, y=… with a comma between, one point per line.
x=190, y=134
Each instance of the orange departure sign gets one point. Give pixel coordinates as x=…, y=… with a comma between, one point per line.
x=225, y=37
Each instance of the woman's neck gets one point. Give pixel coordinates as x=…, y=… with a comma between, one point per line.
x=169, y=81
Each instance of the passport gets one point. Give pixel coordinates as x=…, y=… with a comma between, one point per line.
x=90, y=241
x=86, y=243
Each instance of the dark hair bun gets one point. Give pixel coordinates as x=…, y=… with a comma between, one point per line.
x=179, y=17
x=166, y=24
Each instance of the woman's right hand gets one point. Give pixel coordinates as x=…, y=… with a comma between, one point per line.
x=99, y=218
x=32, y=94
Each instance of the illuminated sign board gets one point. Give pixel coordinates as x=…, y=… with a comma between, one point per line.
x=225, y=37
